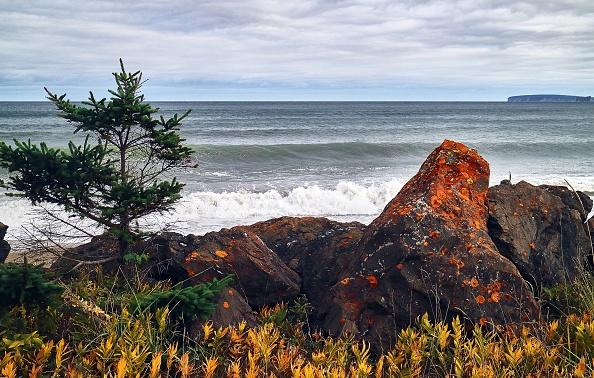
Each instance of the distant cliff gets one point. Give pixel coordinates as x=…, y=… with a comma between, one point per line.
x=548, y=98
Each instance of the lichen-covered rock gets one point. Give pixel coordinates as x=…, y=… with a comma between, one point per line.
x=259, y=274
x=318, y=249
x=540, y=229
x=4, y=246
x=430, y=252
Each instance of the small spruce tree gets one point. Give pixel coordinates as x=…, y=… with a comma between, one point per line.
x=117, y=180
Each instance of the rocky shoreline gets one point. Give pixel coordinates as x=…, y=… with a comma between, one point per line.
x=447, y=245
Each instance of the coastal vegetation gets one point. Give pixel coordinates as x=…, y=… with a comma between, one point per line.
x=92, y=332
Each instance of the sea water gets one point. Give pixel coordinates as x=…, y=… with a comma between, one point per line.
x=342, y=160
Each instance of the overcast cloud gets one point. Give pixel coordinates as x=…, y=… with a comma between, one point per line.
x=325, y=49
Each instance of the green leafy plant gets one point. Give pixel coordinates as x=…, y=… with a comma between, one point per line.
x=115, y=181
x=136, y=258
x=27, y=286
x=184, y=302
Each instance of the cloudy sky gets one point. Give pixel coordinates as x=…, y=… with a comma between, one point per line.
x=300, y=49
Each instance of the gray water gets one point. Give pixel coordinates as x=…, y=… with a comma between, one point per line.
x=342, y=160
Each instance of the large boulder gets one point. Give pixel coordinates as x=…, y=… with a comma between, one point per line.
x=318, y=249
x=429, y=252
x=260, y=275
x=541, y=230
x=4, y=246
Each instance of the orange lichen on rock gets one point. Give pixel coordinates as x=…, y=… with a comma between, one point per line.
x=434, y=234
x=494, y=297
x=226, y=304
x=441, y=211
x=473, y=282
x=372, y=281
x=404, y=210
x=435, y=201
x=222, y=254
x=459, y=264
x=192, y=256
x=494, y=286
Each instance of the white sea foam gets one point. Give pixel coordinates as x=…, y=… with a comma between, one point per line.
x=200, y=212
x=206, y=211
x=203, y=211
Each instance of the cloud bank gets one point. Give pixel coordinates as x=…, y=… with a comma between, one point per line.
x=318, y=48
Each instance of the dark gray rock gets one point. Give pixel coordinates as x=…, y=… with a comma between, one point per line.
x=541, y=230
x=318, y=249
x=259, y=274
x=575, y=200
x=4, y=246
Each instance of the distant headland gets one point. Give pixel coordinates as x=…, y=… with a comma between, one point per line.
x=549, y=98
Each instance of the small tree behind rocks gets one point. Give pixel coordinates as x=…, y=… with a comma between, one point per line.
x=120, y=172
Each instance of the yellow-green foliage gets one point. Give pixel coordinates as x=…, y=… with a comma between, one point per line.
x=143, y=346
x=97, y=336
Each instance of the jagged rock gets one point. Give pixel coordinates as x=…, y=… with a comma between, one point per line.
x=259, y=274
x=540, y=229
x=4, y=246
x=318, y=249
x=430, y=252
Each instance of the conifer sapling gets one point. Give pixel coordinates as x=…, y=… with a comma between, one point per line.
x=122, y=177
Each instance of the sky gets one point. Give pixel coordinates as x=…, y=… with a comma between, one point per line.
x=297, y=50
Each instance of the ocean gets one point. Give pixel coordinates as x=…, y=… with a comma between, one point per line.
x=341, y=160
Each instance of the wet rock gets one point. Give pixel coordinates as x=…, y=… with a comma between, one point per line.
x=260, y=275
x=4, y=246
x=540, y=229
x=318, y=249
x=430, y=252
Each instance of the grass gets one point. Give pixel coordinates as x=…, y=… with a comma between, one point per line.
x=92, y=333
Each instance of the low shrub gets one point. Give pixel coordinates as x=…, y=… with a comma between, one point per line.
x=189, y=303
x=27, y=286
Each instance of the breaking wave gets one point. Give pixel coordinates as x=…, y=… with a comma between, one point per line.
x=202, y=211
